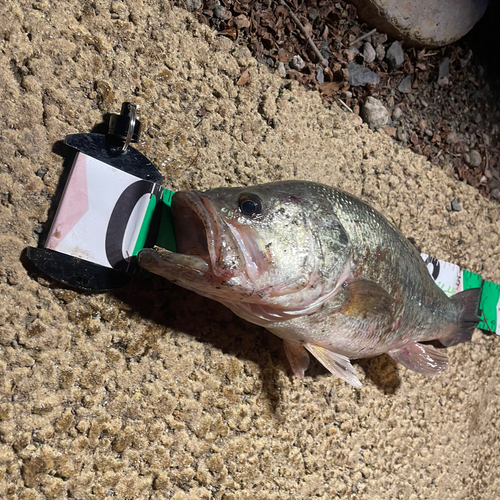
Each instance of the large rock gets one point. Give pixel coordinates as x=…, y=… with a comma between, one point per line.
x=427, y=23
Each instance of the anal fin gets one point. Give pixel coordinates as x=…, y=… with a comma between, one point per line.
x=335, y=363
x=297, y=357
x=420, y=358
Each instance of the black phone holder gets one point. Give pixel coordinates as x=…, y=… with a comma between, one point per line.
x=112, y=206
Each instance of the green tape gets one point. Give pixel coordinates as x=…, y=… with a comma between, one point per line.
x=166, y=234
x=167, y=197
x=488, y=304
x=471, y=280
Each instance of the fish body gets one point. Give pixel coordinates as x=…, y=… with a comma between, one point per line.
x=317, y=267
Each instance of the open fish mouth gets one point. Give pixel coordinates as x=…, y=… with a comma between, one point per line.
x=202, y=239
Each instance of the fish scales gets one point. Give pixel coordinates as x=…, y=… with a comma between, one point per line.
x=319, y=268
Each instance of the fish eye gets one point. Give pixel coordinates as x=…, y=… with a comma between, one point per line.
x=250, y=204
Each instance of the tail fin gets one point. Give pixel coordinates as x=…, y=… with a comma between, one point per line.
x=468, y=304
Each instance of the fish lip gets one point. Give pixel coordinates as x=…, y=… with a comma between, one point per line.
x=203, y=210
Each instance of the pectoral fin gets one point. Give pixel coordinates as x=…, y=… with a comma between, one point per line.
x=335, y=363
x=297, y=357
x=366, y=299
x=420, y=358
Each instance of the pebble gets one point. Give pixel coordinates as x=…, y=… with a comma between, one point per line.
x=298, y=63
x=475, y=158
x=395, y=55
x=369, y=53
x=455, y=206
x=313, y=14
x=374, y=113
x=320, y=76
x=401, y=134
x=378, y=39
x=444, y=68
x=495, y=193
x=443, y=82
x=359, y=75
x=220, y=12
x=452, y=137
x=380, y=51
x=281, y=69
x=396, y=113
x=192, y=5
x=347, y=94
x=405, y=85
x=325, y=52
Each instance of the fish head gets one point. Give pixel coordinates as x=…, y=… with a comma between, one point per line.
x=276, y=244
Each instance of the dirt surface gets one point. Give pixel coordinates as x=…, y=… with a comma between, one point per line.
x=441, y=102
x=153, y=392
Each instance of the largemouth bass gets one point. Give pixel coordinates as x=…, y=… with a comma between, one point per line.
x=317, y=267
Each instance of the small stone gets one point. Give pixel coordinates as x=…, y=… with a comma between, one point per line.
x=466, y=158
x=395, y=55
x=281, y=69
x=325, y=51
x=396, y=113
x=443, y=82
x=495, y=193
x=192, y=5
x=378, y=39
x=475, y=158
x=380, y=51
x=405, y=85
x=313, y=14
x=298, y=63
x=455, y=205
x=369, y=53
x=452, y=137
x=347, y=94
x=41, y=172
x=374, y=113
x=220, y=12
x=422, y=124
x=270, y=62
x=247, y=137
x=444, y=68
x=320, y=76
x=402, y=135
x=359, y=75
x=428, y=132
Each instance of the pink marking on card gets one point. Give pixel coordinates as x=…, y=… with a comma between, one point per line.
x=74, y=203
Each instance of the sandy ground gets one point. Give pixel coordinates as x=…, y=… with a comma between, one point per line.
x=155, y=393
